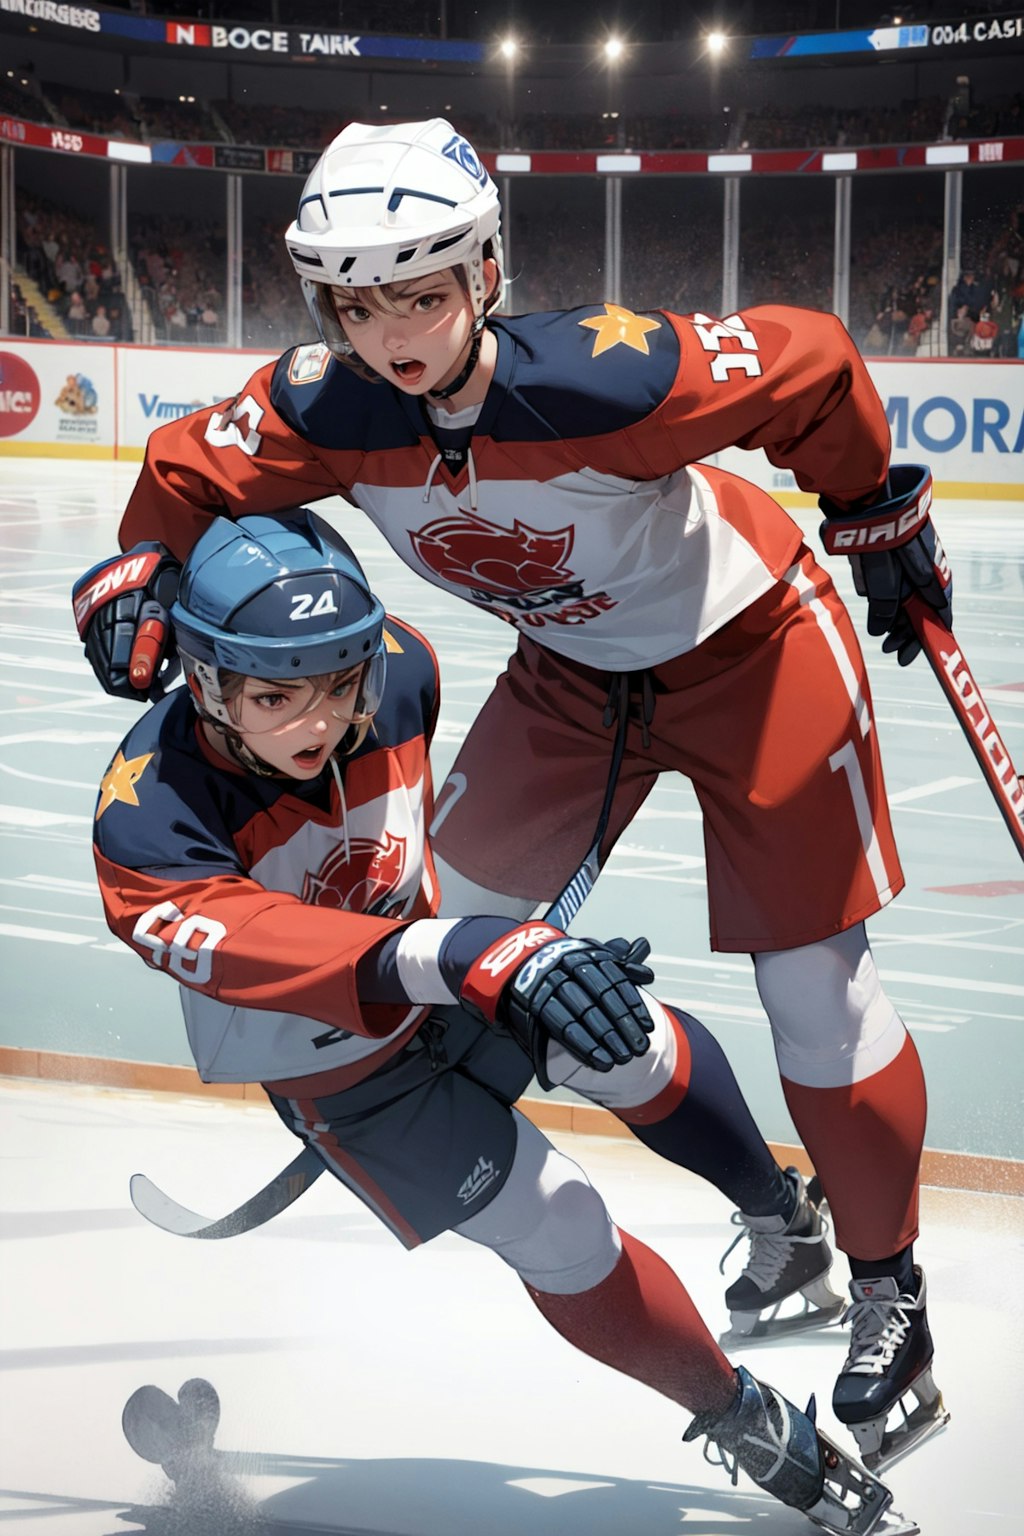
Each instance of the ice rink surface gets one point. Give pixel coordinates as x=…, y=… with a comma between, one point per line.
x=368, y=1390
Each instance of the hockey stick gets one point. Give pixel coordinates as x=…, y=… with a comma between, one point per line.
x=159, y=1209
x=566, y=905
x=275, y=1197
x=961, y=689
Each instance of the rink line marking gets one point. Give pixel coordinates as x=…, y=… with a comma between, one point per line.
x=920, y=810
x=757, y=1018
x=63, y=738
x=45, y=664
x=937, y=787
x=43, y=935
x=996, y=988
x=946, y=942
x=26, y=816
x=53, y=882
x=74, y=917
x=83, y=695
x=978, y=916
x=39, y=778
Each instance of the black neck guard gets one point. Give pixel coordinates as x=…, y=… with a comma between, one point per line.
x=461, y=379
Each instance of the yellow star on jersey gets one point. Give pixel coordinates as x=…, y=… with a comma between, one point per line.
x=120, y=781
x=620, y=327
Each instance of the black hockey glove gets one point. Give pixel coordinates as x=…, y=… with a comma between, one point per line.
x=895, y=553
x=121, y=610
x=540, y=985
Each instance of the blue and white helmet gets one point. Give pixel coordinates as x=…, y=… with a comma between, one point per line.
x=276, y=598
x=387, y=203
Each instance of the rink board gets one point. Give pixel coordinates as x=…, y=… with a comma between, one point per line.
x=965, y=419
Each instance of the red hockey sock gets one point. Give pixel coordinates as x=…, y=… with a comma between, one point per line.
x=640, y=1320
x=865, y=1141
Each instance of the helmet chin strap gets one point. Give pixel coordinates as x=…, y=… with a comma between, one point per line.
x=462, y=378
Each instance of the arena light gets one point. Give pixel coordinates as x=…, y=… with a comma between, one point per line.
x=509, y=48
x=614, y=48
x=717, y=42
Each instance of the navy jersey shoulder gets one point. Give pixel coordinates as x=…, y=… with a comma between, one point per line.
x=327, y=404
x=163, y=805
x=581, y=372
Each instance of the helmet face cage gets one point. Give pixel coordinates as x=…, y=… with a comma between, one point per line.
x=284, y=601
x=218, y=694
x=384, y=205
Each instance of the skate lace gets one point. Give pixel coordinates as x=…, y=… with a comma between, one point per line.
x=877, y=1329
x=774, y=1444
x=769, y=1251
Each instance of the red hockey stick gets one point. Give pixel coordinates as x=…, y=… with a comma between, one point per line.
x=961, y=689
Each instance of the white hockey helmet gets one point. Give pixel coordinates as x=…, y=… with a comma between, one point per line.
x=387, y=203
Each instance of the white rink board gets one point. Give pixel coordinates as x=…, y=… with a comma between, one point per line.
x=132, y=390
x=156, y=385
x=964, y=419
x=63, y=403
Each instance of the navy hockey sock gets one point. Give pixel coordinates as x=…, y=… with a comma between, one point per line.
x=900, y=1267
x=710, y=1130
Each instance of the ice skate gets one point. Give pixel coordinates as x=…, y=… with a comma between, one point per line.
x=786, y=1259
x=781, y=1449
x=890, y=1356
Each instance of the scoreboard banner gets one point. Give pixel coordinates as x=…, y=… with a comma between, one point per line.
x=988, y=31
x=234, y=38
x=273, y=42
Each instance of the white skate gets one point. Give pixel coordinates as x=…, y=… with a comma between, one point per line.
x=786, y=1259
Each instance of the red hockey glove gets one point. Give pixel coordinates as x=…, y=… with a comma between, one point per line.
x=121, y=610
x=895, y=553
x=538, y=984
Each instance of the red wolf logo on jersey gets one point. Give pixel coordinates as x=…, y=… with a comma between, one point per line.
x=362, y=882
x=495, y=563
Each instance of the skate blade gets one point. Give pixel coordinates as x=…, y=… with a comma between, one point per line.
x=918, y=1426
x=769, y=1330
x=854, y=1502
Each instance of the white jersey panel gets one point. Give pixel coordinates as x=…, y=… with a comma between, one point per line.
x=608, y=572
x=372, y=863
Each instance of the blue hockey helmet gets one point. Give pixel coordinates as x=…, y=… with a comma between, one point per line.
x=278, y=598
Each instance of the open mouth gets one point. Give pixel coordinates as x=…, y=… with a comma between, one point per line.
x=309, y=757
x=409, y=370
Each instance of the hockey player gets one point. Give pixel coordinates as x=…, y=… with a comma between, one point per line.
x=545, y=468
x=260, y=836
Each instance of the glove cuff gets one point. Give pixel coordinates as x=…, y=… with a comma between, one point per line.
x=492, y=971
x=886, y=524
x=122, y=574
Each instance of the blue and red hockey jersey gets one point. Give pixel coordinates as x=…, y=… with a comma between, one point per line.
x=260, y=895
x=579, y=513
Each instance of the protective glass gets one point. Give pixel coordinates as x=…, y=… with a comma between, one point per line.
x=353, y=697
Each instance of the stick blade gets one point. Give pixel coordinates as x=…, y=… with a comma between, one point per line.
x=163, y=1212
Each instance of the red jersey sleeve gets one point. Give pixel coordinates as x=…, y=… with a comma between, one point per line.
x=205, y=465
x=227, y=936
x=787, y=380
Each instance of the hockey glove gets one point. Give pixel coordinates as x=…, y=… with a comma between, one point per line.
x=895, y=553
x=121, y=610
x=540, y=985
